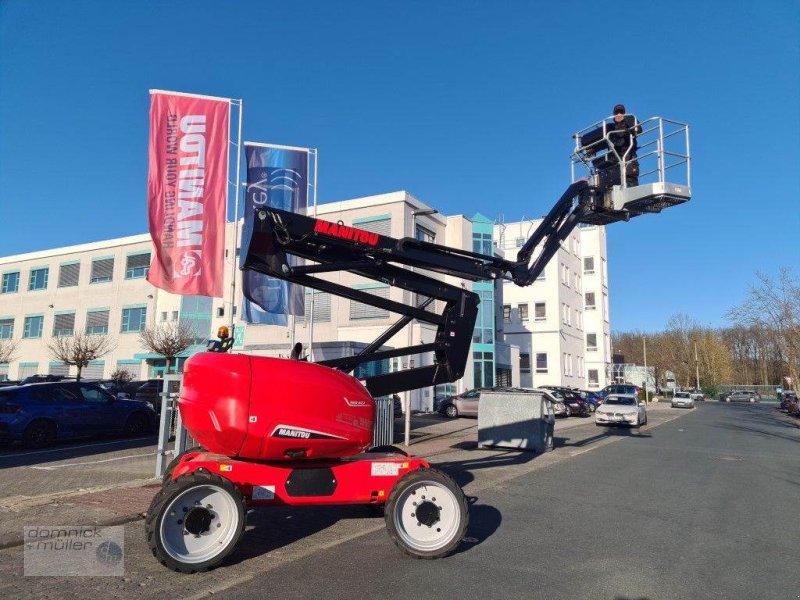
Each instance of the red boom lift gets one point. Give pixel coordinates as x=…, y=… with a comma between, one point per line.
x=289, y=432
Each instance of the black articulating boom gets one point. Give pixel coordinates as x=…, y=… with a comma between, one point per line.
x=337, y=247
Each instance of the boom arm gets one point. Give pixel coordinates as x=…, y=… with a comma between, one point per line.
x=337, y=247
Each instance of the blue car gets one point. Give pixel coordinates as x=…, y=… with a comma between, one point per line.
x=38, y=414
x=592, y=398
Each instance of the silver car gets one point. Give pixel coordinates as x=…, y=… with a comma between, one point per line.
x=682, y=400
x=621, y=409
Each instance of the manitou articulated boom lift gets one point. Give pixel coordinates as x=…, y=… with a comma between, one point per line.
x=289, y=432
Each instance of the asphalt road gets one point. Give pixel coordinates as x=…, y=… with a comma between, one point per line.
x=698, y=504
x=701, y=507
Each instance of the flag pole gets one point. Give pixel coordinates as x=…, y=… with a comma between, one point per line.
x=314, y=214
x=236, y=217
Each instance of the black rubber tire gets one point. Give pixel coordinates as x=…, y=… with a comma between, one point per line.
x=38, y=434
x=413, y=478
x=387, y=450
x=451, y=412
x=569, y=411
x=137, y=424
x=163, y=499
x=167, y=476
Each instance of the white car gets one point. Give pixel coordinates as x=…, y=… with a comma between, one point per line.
x=621, y=409
x=683, y=400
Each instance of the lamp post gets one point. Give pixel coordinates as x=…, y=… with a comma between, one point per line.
x=414, y=215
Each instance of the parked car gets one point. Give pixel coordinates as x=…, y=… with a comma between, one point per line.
x=683, y=400
x=44, y=378
x=149, y=391
x=591, y=397
x=575, y=405
x=461, y=405
x=741, y=396
x=557, y=400
x=621, y=409
x=619, y=388
x=38, y=414
x=793, y=407
x=787, y=398
x=697, y=395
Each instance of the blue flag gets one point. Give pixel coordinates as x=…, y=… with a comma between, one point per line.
x=277, y=178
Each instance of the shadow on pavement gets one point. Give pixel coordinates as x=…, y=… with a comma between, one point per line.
x=628, y=432
x=17, y=456
x=461, y=470
x=484, y=520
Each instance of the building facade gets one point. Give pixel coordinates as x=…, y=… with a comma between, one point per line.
x=561, y=322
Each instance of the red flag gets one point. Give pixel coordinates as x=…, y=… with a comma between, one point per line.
x=187, y=192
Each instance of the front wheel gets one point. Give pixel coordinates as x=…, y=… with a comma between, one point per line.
x=451, y=411
x=195, y=521
x=136, y=425
x=426, y=514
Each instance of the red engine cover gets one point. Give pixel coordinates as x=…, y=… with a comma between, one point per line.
x=274, y=409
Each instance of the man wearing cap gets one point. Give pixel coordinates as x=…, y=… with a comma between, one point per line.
x=622, y=135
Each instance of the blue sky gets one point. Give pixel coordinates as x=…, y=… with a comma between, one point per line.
x=467, y=105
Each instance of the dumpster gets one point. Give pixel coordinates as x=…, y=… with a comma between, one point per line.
x=519, y=419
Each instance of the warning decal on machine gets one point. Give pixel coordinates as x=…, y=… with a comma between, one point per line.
x=385, y=468
x=263, y=492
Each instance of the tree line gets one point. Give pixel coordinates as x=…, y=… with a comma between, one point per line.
x=761, y=346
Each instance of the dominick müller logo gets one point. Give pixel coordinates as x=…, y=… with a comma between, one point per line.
x=74, y=550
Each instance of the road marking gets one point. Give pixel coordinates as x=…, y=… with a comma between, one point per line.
x=92, y=462
x=68, y=448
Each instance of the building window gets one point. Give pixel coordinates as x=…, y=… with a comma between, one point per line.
x=540, y=311
x=519, y=242
x=64, y=324
x=382, y=225
x=424, y=234
x=590, y=301
x=591, y=342
x=163, y=316
x=68, y=274
x=588, y=265
x=33, y=327
x=10, y=282
x=322, y=307
x=484, y=324
x=133, y=319
x=506, y=313
x=359, y=311
x=137, y=265
x=97, y=322
x=102, y=270
x=605, y=307
x=482, y=243
x=220, y=311
x=6, y=329
x=523, y=312
x=38, y=280
x=541, y=362
x=566, y=364
x=593, y=379
x=483, y=369
x=564, y=274
x=175, y=314
x=524, y=362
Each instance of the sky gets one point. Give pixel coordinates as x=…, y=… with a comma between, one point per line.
x=469, y=106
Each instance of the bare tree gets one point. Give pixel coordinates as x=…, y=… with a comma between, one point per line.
x=772, y=311
x=167, y=339
x=121, y=376
x=8, y=349
x=79, y=349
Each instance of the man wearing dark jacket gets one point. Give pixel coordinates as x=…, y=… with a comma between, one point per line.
x=622, y=135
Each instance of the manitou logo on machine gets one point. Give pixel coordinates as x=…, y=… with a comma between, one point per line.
x=292, y=433
x=344, y=232
x=286, y=431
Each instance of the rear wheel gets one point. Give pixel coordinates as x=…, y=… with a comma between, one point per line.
x=426, y=514
x=39, y=434
x=195, y=522
x=137, y=424
x=451, y=411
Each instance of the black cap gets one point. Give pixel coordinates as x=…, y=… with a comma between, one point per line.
x=619, y=109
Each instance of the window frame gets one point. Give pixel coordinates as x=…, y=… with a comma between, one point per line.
x=33, y=270
x=3, y=289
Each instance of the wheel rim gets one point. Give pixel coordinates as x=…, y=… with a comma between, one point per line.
x=451, y=411
x=199, y=524
x=136, y=424
x=427, y=516
x=39, y=433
